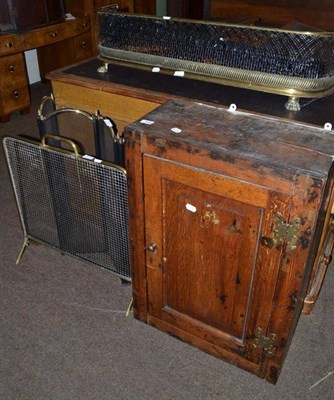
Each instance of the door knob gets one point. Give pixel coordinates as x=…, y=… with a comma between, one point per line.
x=152, y=247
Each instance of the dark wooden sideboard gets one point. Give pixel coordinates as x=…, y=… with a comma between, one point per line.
x=73, y=36
x=57, y=45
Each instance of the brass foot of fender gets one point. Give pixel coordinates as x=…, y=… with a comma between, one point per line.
x=103, y=69
x=293, y=104
x=24, y=246
x=129, y=307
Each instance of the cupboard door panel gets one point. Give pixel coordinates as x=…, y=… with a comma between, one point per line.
x=205, y=238
x=205, y=271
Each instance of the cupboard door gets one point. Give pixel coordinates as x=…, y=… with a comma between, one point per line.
x=209, y=279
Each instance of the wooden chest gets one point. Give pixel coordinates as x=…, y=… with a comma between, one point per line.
x=226, y=214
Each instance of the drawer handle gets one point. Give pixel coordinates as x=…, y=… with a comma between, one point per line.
x=16, y=94
x=54, y=34
x=84, y=25
x=83, y=44
x=11, y=68
x=10, y=44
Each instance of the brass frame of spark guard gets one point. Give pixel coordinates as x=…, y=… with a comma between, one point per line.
x=75, y=153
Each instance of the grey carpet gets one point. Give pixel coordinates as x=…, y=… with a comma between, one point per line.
x=64, y=334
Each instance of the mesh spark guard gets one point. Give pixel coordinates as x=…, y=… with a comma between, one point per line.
x=75, y=205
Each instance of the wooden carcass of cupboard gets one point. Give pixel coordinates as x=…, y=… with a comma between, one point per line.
x=227, y=210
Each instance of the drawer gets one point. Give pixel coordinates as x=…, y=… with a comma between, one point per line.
x=82, y=45
x=116, y=106
x=10, y=44
x=76, y=26
x=12, y=68
x=56, y=33
x=41, y=37
x=14, y=96
x=83, y=24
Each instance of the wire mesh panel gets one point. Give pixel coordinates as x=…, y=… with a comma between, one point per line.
x=76, y=205
x=214, y=49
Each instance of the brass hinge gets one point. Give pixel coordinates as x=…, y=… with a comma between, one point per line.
x=284, y=233
x=265, y=343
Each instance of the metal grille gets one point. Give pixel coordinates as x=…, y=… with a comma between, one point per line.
x=217, y=49
x=77, y=206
